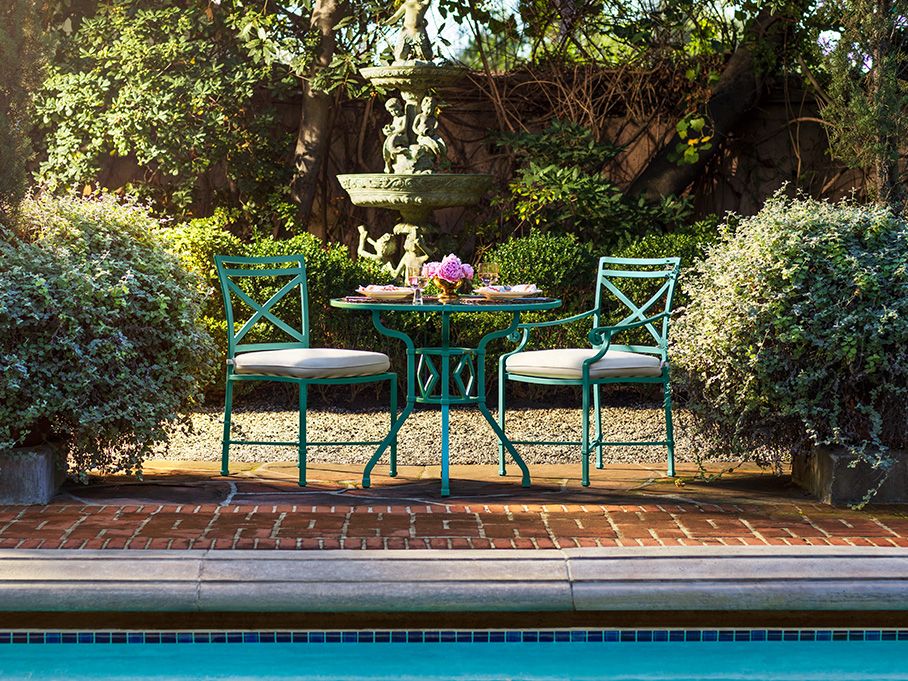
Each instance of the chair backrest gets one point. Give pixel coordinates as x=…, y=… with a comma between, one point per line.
x=614, y=275
x=234, y=269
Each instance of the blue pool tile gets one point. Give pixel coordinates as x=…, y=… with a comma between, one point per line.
x=102, y=637
x=644, y=636
x=415, y=637
x=152, y=637
x=562, y=636
x=268, y=637
x=595, y=636
x=660, y=635
x=218, y=637
x=332, y=637
x=50, y=637
x=513, y=636
x=872, y=636
x=628, y=636
x=480, y=637
x=855, y=635
x=382, y=636
x=757, y=634
x=824, y=635
x=70, y=638
x=839, y=635
x=171, y=637
x=611, y=636
x=118, y=637
x=349, y=637
x=316, y=637
x=578, y=636
x=546, y=636
x=448, y=636
x=774, y=634
x=36, y=637
x=365, y=637
x=710, y=635
x=531, y=637
x=398, y=637
x=903, y=635
x=742, y=635
x=20, y=637
x=250, y=637
x=185, y=637
x=888, y=635
x=726, y=635
x=432, y=637
x=5, y=637
x=808, y=635
x=201, y=637
x=464, y=637
x=135, y=637
x=86, y=637
x=234, y=637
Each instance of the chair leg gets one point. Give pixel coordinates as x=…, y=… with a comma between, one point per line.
x=501, y=386
x=597, y=409
x=585, y=440
x=393, y=409
x=669, y=433
x=225, y=447
x=304, y=390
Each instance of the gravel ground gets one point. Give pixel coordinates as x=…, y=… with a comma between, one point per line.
x=472, y=440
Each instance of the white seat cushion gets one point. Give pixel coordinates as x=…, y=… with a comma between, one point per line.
x=312, y=363
x=568, y=363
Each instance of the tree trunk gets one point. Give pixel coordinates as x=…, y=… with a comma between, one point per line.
x=315, y=115
x=737, y=92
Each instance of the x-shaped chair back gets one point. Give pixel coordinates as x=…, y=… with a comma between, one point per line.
x=232, y=269
x=611, y=273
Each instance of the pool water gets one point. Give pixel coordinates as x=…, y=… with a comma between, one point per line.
x=766, y=660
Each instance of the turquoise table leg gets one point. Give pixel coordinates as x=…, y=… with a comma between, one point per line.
x=445, y=403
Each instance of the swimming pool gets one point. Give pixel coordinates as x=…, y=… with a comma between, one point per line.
x=710, y=655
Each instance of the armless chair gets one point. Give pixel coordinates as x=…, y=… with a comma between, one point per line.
x=605, y=362
x=291, y=361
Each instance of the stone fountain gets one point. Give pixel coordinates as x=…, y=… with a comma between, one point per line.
x=411, y=183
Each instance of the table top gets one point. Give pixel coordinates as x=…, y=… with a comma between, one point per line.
x=462, y=304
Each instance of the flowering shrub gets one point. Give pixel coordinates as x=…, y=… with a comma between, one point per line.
x=100, y=339
x=796, y=332
x=450, y=269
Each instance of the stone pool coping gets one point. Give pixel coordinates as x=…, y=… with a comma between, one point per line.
x=450, y=581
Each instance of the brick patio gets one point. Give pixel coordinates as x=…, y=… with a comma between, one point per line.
x=185, y=505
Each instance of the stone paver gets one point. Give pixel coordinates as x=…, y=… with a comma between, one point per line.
x=185, y=505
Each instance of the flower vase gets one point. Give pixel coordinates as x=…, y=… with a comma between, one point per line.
x=448, y=289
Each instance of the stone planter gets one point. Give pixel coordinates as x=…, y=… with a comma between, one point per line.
x=828, y=474
x=31, y=475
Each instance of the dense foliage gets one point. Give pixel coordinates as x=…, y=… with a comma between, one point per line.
x=164, y=100
x=559, y=186
x=796, y=333
x=100, y=340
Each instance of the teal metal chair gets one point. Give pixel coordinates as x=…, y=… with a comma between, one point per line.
x=605, y=362
x=292, y=361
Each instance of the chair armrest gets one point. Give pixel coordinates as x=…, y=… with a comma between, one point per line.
x=557, y=322
x=603, y=334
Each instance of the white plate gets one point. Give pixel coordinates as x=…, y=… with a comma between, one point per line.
x=399, y=293
x=493, y=294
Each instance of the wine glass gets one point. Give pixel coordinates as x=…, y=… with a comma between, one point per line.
x=417, y=282
x=488, y=273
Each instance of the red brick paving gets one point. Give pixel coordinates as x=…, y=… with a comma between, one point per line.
x=266, y=511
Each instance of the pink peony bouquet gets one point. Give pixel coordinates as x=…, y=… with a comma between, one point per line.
x=449, y=269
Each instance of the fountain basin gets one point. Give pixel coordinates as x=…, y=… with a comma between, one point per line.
x=422, y=192
x=415, y=76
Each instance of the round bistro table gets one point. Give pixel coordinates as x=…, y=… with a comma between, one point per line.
x=432, y=372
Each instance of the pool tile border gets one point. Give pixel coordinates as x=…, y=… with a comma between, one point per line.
x=480, y=636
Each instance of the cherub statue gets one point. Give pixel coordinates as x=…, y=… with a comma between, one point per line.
x=413, y=44
x=397, y=142
x=412, y=244
x=384, y=246
x=429, y=143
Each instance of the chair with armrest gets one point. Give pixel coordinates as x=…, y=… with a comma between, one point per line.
x=605, y=362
